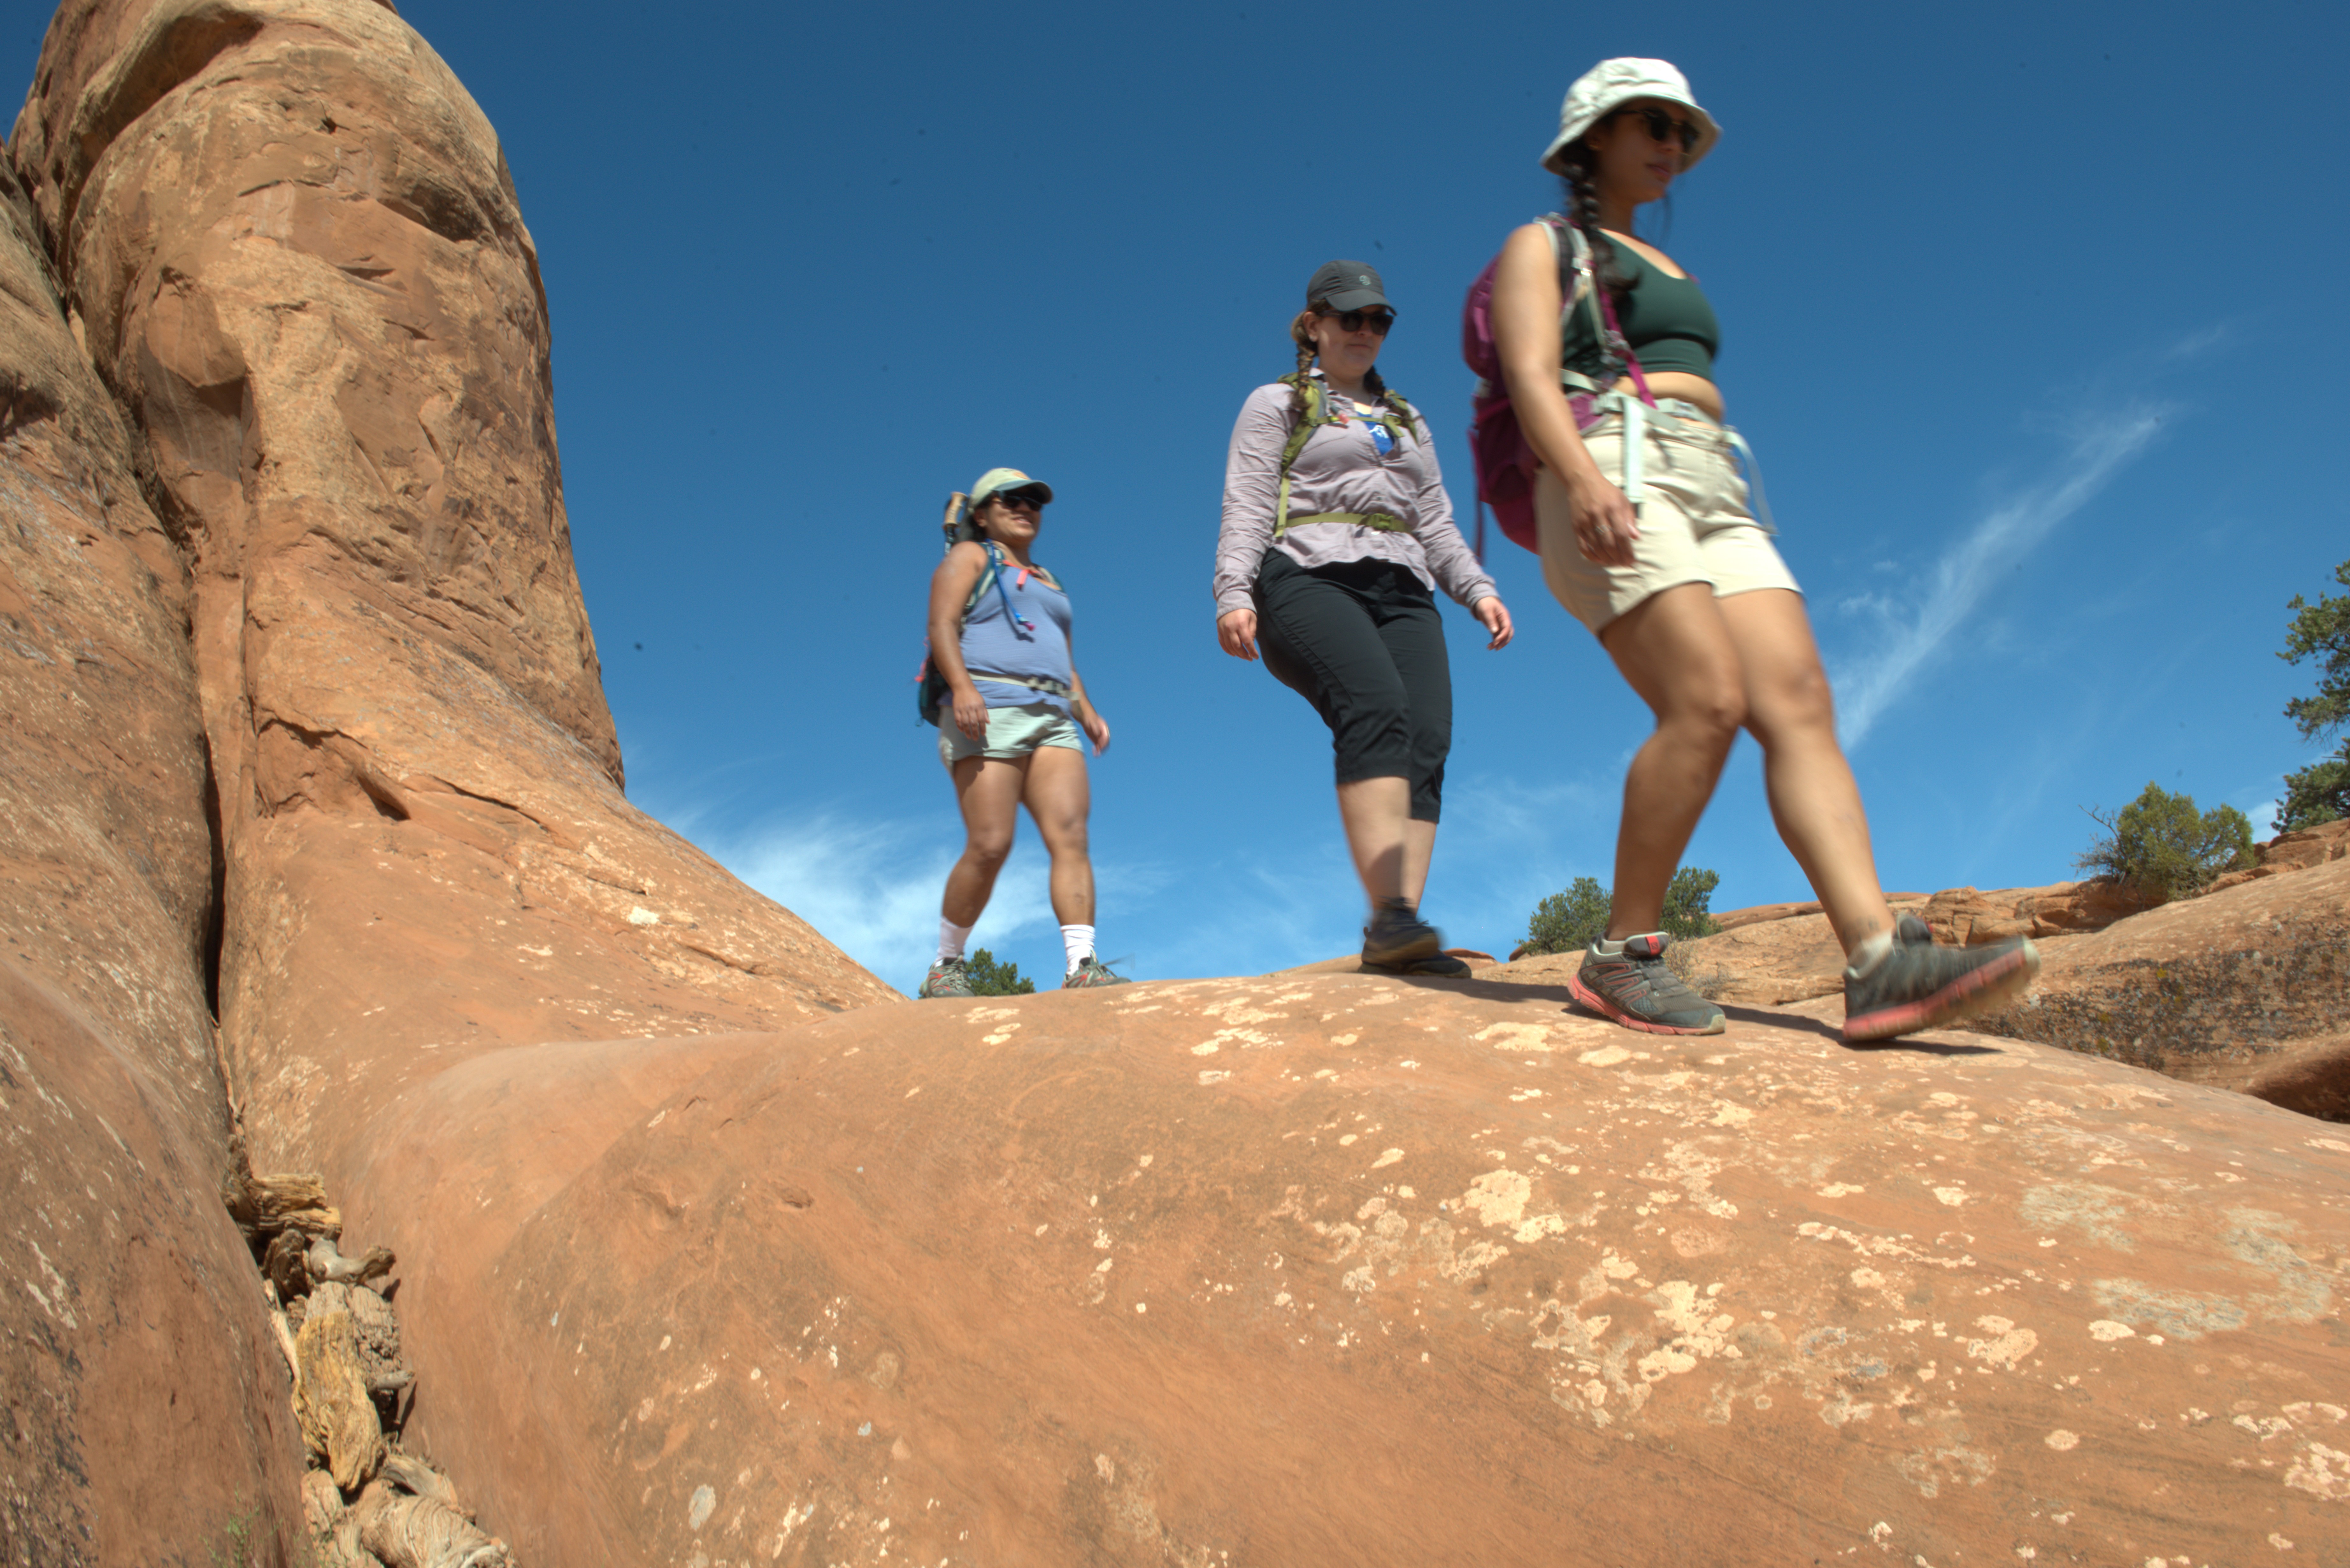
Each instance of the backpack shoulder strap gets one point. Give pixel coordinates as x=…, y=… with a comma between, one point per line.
x=1317, y=414
x=986, y=576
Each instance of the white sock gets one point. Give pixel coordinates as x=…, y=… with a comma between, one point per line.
x=1079, y=942
x=1607, y=948
x=951, y=938
x=1871, y=953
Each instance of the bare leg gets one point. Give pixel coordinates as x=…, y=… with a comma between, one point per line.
x=1418, y=849
x=1814, y=798
x=1676, y=651
x=1378, y=817
x=988, y=790
x=1060, y=797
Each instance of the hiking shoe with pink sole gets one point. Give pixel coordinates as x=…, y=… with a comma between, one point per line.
x=948, y=977
x=1638, y=992
x=1091, y=972
x=1921, y=984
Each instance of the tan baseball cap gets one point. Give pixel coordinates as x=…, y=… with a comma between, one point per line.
x=996, y=479
x=1609, y=87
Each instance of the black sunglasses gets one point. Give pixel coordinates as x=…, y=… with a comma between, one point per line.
x=1377, y=321
x=1661, y=125
x=1019, y=498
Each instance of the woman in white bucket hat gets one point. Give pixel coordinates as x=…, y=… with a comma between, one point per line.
x=1606, y=349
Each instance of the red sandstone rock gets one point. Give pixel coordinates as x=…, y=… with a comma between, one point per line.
x=299, y=260
x=1965, y=917
x=1755, y=914
x=1343, y=1268
x=2240, y=986
x=144, y=1390
x=1320, y=1269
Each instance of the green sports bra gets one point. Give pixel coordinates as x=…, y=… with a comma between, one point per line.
x=1666, y=319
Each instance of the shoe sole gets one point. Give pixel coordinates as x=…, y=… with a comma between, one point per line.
x=1411, y=966
x=1601, y=1005
x=1976, y=991
x=1420, y=947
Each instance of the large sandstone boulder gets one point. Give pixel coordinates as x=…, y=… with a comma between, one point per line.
x=298, y=258
x=133, y=1343
x=1338, y=1269
x=2247, y=987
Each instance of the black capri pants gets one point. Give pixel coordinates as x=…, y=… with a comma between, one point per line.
x=1362, y=641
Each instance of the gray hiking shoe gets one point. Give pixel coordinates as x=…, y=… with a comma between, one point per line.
x=1090, y=972
x=1638, y=992
x=1397, y=935
x=947, y=978
x=1921, y=984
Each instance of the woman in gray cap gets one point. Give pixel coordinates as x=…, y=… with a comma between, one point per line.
x=1009, y=719
x=1336, y=530
x=1606, y=348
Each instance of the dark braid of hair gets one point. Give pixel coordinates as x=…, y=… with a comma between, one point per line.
x=1304, y=338
x=1582, y=209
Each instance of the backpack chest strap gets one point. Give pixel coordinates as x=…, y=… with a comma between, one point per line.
x=1385, y=522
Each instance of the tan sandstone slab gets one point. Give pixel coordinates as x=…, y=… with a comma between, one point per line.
x=302, y=265
x=144, y=1392
x=1345, y=1268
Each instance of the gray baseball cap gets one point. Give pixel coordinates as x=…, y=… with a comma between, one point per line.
x=1345, y=285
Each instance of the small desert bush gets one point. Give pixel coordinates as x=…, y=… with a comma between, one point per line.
x=2162, y=847
x=989, y=978
x=1568, y=922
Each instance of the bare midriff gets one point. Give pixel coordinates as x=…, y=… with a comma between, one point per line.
x=1679, y=384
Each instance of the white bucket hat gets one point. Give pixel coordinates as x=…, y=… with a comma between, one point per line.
x=1609, y=87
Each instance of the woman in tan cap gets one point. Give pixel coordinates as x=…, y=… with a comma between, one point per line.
x=1009, y=705
x=1606, y=348
x=1337, y=529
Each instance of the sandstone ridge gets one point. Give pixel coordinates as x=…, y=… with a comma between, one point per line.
x=310, y=775
x=713, y=1254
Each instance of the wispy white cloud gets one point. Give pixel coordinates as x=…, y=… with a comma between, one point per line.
x=1915, y=632
x=873, y=888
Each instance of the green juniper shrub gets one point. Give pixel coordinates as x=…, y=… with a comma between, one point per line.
x=2320, y=792
x=1686, y=899
x=1566, y=922
x=989, y=978
x=2162, y=847
x=1573, y=919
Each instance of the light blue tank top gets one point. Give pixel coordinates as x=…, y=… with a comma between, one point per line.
x=1035, y=644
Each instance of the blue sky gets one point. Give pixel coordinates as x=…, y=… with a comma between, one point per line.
x=2026, y=311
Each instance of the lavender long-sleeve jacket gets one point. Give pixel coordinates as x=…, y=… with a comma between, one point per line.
x=1338, y=469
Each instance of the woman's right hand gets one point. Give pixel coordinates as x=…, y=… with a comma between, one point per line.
x=971, y=713
x=1236, y=629
x=1605, y=523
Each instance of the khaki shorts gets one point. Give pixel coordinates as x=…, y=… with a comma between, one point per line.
x=1694, y=522
x=1012, y=733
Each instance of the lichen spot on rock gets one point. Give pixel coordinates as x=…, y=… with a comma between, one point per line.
x=1525, y=1037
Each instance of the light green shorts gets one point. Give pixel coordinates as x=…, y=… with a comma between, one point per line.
x=1012, y=733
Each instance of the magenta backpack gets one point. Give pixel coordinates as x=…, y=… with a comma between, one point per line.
x=1505, y=462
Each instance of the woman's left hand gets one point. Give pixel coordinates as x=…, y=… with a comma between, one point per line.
x=1495, y=616
x=1096, y=727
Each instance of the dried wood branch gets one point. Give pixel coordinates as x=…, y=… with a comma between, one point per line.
x=327, y=1264
x=331, y=1400
x=407, y=1532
